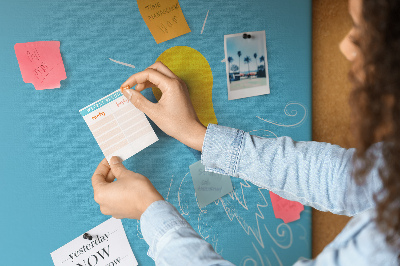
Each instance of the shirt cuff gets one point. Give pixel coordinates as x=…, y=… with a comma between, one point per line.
x=157, y=220
x=222, y=148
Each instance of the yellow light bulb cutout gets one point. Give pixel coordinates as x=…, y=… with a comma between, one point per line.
x=193, y=68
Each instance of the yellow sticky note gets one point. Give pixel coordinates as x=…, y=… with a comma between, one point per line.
x=164, y=18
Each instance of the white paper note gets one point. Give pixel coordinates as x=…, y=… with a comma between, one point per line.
x=108, y=247
x=118, y=126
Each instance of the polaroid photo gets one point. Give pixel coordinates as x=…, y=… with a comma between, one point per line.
x=246, y=64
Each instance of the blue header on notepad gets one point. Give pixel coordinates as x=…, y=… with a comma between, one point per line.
x=100, y=103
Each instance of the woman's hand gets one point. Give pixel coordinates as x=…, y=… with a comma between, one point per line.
x=174, y=113
x=127, y=197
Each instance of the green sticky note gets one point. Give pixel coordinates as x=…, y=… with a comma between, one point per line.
x=209, y=186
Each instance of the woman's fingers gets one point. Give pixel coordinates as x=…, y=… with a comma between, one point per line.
x=140, y=102
x=100, y=175
x=160, y=67
x=158, y=79
x=143, y=86
x=110, y=177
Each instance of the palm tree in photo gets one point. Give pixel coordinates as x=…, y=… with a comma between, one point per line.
x=263, y=73
x=239, y=54
x=255, y=60
x=247, y=60
x=230, y=59
x=262, y=59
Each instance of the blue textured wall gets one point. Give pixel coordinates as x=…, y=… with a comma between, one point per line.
x=48, y=155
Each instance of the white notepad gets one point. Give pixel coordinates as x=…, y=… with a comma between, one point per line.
x=118, y=126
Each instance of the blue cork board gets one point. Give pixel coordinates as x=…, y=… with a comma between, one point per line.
x=48, y=154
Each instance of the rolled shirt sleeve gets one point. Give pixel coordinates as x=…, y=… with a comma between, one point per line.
x=313, y=173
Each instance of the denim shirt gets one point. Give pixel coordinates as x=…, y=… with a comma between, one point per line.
x=312, y=173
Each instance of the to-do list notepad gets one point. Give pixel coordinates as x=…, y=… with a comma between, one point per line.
x=118, y=126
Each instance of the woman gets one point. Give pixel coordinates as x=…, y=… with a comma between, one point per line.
x=363, y=183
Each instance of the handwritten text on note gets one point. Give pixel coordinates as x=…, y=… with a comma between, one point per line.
x=164, y=18
x=41, y=64
x=209, y=186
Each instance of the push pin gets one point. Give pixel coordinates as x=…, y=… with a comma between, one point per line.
x=125, y=88
x=87, y=236
x=246, y=36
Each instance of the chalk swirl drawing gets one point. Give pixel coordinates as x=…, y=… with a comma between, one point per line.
x=248, y=259
x=303, y=237
x=289, y=110
x=206, y=231
x=281, y=232
x=170, y=184
x=183, y=204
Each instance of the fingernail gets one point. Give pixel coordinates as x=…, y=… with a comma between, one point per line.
x=130, y=93
x=115, y=160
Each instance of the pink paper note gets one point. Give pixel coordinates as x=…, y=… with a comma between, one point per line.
x=41, y=64
x=286, y=210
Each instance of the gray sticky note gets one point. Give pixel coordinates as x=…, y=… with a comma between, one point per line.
x=209, y=186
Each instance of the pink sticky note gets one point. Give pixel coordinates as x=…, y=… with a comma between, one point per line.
x=41, y=64
x=286, y=210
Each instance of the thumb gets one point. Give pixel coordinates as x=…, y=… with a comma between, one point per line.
x=117, y=167
x=138, y=100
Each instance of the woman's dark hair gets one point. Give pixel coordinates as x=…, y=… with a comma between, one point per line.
x=375, y=103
